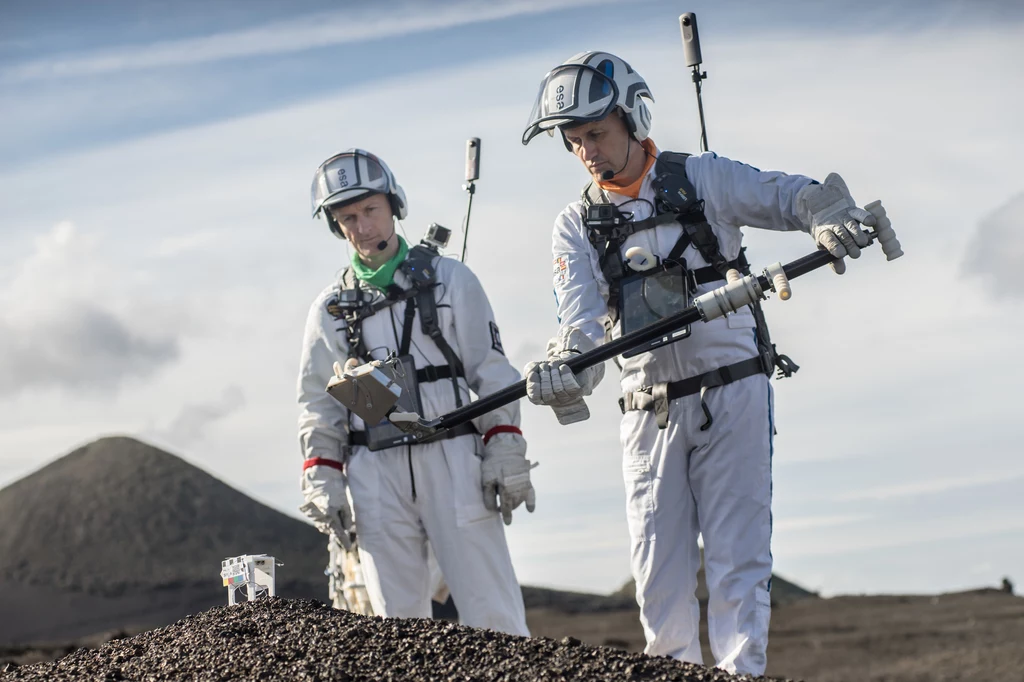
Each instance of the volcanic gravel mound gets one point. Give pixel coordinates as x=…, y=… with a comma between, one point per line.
x=118, y=515
x=281, y=639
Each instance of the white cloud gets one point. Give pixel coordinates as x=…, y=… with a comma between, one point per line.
x=283, y=37
x=933, y=486
x=815, y=522
x=180, y=244
x=896, y=535
x=195, y=419
x=83, y=349
x=996, y=251
x=56, y=335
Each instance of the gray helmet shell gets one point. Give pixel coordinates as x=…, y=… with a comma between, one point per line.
x=587, y=87
x=350, y=176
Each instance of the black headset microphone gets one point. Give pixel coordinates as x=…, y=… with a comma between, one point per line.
x=383, y=243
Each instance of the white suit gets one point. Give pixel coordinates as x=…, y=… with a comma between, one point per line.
x=403, y=496
x=681, y=481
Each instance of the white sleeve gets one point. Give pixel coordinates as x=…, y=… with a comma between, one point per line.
x=323, y=422
x=736, y=194
x=478, y=344
x=578, y=292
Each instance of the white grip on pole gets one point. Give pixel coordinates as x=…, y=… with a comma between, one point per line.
x=883, y=231
x=739, y=292
x=780, y=282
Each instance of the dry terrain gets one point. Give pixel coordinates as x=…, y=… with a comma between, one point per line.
x=137, y=541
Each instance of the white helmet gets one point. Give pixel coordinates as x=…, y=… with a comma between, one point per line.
x=587, y=88
x=350, y=176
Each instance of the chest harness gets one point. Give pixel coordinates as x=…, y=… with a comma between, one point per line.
x=355, y=301
x=675, y=201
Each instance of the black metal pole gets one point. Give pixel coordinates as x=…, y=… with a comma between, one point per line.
x=471, y=188
x=578, y=363
x=697, y=78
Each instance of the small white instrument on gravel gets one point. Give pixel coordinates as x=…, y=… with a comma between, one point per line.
x=254, y=572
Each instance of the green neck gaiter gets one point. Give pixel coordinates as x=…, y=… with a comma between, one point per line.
x=383, y=276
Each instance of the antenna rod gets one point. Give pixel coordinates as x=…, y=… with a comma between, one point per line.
x=472, y=174
x=691, y=50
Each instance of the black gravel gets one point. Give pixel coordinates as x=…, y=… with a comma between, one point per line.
x=283, y=639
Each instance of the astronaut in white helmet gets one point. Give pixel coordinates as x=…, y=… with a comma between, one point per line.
x=697, y=420
x=358, y=479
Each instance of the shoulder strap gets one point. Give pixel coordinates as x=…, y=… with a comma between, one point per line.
x=593, y=194
x=704, y=240
x=410, y=314
x=672, y=162
x=349, y=279
x=673, y=190
x=419, y=266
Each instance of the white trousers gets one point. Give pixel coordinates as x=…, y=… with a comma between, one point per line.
x=448, y=511
x=681, y=481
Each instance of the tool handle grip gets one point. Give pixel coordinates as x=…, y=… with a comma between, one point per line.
x=884, y=233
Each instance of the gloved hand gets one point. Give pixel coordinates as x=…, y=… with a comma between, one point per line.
x=506, y=475
x=833, y=219
x=325, y=490
x=552, y=383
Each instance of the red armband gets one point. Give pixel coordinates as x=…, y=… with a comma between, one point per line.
x=320, y=461
x=501, y=428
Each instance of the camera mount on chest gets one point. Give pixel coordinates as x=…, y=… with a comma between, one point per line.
x=348, y=303
x=675, y=200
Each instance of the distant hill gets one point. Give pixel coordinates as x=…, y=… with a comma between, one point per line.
x=783, y=591
x=119, y=515
x=119, y=534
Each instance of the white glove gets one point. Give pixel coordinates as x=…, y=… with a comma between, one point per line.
x=327, y=506
x=506, y=475
x=552, y=383
x=833, y=219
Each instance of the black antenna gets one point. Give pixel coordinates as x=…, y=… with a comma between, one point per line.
x=472, y=174
x=691, y=50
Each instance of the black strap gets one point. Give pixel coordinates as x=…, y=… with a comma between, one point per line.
x=410, y=314
x=437, y=373
x=663, y=393
x=432, y=328
x=726, y=375
x=709, y=274
x=359, y=437
x=620, y=233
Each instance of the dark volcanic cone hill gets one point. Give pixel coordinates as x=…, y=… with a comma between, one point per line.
x=279, y=639
x=119, y=516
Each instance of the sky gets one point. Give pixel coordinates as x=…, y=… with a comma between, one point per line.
x=157, y=255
